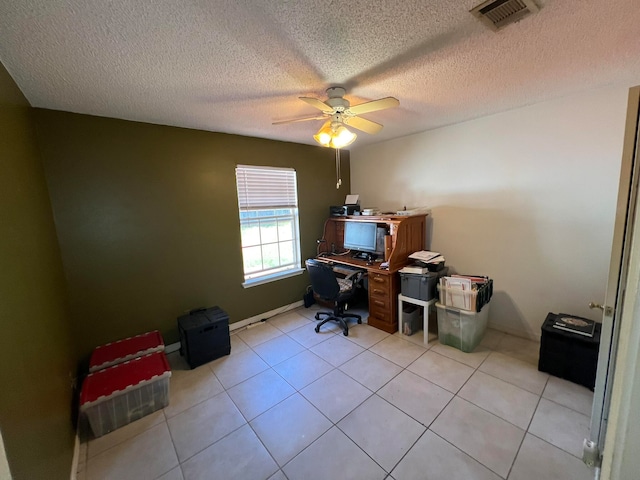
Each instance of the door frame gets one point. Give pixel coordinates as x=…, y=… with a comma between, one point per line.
x=618, y=422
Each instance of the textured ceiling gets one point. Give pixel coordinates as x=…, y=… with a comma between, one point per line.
x=236, y=66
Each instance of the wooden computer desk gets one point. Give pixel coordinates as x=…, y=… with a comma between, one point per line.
x=406, y=235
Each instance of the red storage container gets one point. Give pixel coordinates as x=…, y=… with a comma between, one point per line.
x=118, y=395
x=126, y=349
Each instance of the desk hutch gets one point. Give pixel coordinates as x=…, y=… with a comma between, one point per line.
x=405, y=235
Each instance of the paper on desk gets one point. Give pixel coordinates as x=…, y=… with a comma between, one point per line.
x=352, y=200
x=424, y=256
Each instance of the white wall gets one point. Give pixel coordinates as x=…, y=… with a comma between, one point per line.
x=526, y=196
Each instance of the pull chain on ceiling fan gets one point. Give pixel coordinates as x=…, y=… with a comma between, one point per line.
x=340, y=114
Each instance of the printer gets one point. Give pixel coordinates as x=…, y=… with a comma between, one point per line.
x=351, y=207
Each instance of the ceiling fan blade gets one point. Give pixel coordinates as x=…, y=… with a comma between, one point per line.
x=300, y=119
x=363, y=124
x=383, y=103
x=314, y=102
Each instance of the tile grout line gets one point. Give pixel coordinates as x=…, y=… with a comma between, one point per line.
x=225, y=391
x=173, y=444
x=296, y=391
x=527, y=429
x=265, y=448
x=248, y=422
x=456, y=394
x=210, y=367
x=467, y=455
x=335, y=424
x=403, y=369
x=565, y=406
x=334, y=367
x=124, y=440
x=554, y=446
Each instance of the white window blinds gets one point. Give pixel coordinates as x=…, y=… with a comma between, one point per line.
x=266, y=187
x=269, y=230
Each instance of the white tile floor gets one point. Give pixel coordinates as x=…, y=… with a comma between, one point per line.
x=292, y=404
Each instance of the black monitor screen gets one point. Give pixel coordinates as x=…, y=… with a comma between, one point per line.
x=360, y=236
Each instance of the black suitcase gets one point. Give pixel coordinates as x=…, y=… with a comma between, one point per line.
x=569, y=355
x=204, y=335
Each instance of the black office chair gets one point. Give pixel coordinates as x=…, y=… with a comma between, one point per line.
x=335, y=290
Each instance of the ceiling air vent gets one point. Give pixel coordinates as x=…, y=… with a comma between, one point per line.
x=497, y=14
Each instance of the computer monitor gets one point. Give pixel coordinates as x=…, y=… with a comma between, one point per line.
x=361, y=236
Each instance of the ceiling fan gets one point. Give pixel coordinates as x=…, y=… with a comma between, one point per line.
x=339, y=112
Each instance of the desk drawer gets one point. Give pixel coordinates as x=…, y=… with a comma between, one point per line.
x=380, y=316
x=379, y=304
x=379, y=280
x=383, y=320
x=383, y=301
x=381, y=288
x=383, y=308
x=379, y=291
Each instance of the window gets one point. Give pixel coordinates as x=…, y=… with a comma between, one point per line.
x=268, y=205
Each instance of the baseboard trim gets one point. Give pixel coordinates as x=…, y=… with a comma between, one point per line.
x=515, y=332
x=75, y=462
x=172, y=347
x=247, y=322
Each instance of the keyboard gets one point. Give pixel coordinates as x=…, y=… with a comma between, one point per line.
x=346, y=270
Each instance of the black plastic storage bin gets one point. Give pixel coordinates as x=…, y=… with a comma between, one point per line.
x=421, y=285
x=204, y=335
x=569, y=355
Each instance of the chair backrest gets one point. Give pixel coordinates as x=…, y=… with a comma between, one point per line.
x=323, y=279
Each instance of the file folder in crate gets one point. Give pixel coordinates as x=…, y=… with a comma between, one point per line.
x=471, y=300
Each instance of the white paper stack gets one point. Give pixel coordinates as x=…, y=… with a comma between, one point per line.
x=426, y=257
x=422, y=259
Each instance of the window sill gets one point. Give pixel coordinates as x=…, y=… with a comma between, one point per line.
x=272, y=278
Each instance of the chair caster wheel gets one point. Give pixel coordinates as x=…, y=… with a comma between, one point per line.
x=360, y=321
x=317, y=329
x=345, y=333
x=317, y=316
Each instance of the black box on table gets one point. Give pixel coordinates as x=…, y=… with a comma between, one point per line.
x=567, y=354
x=204, y=335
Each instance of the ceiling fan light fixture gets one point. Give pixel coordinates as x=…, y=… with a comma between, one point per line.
x=334, y=135
x=324, y=135
x=342, y=137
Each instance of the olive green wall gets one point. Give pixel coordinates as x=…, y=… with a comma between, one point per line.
x=147, y=220
x=36, y=353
